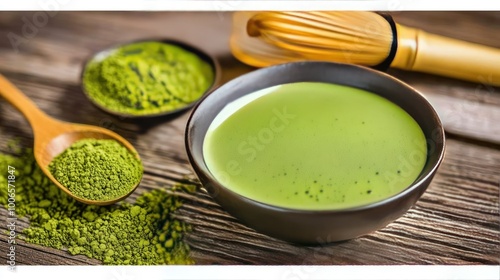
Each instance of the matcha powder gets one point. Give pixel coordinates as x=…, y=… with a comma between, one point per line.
x=147, y=78
x=142, y=233
x=97, y=169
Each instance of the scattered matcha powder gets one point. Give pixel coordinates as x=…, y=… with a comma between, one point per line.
x=147, y=78
x=142, y=233
x=97, y=169
x=14, y=145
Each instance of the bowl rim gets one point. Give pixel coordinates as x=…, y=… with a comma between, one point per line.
x=406, y=191
x=199, y=52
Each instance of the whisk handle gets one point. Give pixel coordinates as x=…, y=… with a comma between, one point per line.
x=430, y=53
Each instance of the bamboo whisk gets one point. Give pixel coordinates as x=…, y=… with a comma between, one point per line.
x=266, y=38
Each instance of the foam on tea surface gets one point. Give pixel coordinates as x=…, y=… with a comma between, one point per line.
x=314, y=146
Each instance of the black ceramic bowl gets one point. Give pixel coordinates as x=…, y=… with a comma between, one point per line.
x=313, y=226
x=101, y=55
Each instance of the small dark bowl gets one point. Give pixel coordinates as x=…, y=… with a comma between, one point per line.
x=312, y=226
x=212, y=61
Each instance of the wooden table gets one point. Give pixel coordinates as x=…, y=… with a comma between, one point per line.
x=455, y=222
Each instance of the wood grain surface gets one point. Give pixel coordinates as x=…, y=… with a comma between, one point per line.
x=455, y=222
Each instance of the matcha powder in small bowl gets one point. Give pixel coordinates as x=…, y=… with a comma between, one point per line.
x=148, y=78
x=97, y=169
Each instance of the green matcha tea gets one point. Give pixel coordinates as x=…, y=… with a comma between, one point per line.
x=315, y=146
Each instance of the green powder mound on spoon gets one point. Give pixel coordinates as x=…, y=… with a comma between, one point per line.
x=97, y=169
x=142, y=233
x=147, y=78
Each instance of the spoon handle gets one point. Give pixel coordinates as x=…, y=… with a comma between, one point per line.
x=15, y=97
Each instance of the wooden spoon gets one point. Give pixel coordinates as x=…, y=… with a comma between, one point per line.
x=53, y=136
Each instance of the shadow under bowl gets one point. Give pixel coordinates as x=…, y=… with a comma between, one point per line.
x=211, y=60
x=316, y=226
